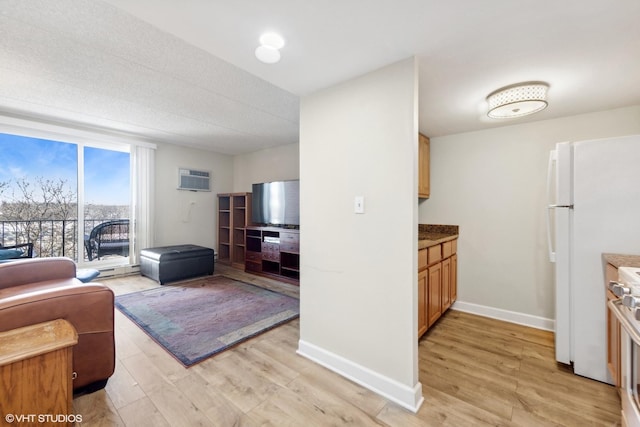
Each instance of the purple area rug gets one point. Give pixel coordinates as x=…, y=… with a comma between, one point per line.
x=201, y=318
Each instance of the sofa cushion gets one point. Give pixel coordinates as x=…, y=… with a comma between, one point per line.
x=10, y=253
x=34, y=270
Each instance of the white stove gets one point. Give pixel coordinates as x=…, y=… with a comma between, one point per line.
x=628, y=313
x=628, y=289
x=629, y=276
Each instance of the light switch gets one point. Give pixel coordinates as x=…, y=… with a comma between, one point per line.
x=358, y=204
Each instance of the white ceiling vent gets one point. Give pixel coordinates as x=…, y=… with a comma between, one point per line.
x=193, y=180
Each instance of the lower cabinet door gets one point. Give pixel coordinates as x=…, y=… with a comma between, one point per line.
x=422, y=303
x=446, y=284
x=434, y=291
x=454, y=278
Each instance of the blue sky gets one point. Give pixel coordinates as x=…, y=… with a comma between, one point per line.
x=106, y=172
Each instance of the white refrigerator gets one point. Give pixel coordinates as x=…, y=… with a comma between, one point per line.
x=594, y=208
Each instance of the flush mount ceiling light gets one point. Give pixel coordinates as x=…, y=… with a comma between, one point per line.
x=267, y=54
x=517, y=100
x=269, y=49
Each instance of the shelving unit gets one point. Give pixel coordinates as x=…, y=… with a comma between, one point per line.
x=234, y=215
x=273, y=251
x=224, y=228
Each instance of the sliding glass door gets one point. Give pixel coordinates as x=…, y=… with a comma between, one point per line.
x=106, y=205
x=66, y=199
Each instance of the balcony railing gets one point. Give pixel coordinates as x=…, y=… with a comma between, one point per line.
x=50, y=238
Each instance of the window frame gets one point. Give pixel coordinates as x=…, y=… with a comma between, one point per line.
x=103, y=139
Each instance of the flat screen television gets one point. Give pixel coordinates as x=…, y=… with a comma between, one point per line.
x=276, y=203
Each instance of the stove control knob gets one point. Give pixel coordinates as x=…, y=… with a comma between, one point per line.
x=618, y=289
x=631, y=301
x=636, y=313
x=612, y=284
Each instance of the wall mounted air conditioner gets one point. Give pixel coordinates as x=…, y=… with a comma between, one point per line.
x=193, y=180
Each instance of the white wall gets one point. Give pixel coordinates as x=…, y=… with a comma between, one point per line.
x=492, y=184
x=191, y=217
x=272, y=164
x=359, y=271
x=187, y=216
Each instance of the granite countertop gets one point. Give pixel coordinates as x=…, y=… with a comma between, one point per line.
x=622, y=260
x=434, y=234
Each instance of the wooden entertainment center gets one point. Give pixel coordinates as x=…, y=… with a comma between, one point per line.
x=273, y=251
x=265, y=250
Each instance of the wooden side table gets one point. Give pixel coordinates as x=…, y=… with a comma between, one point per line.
x=36, y=374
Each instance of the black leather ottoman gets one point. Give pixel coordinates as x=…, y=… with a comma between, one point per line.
x=170, y=263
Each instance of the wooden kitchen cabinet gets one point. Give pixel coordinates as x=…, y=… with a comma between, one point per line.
x=453, y=288
x=422, y=303
x=434, y=291
x=424, y=187
x=437, y=282
x=446, y=284
x=613, y=331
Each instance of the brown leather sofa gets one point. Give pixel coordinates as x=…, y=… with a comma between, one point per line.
x=42, y=289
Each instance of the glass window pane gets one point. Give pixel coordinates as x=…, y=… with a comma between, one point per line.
x=38, y=195
x=107, y=195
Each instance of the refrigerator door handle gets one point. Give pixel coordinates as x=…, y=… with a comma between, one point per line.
x=552, y=252
x=550, y=168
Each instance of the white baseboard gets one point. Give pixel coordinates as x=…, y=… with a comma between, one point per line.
x=123, y=270
x=506, y=315
x=405, y=396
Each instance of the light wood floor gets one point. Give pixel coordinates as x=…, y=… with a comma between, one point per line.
x=474, y=371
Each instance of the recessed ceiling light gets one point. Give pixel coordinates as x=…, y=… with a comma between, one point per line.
x=267, y=54
x=272, y=40
x=517, y=100
x=269, y=49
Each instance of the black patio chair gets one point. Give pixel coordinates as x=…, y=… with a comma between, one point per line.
x=108, y=238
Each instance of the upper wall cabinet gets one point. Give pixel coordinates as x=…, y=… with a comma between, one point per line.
x=423, y=167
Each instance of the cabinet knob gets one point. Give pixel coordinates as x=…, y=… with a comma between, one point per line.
x=630, y=301
x=619, y=290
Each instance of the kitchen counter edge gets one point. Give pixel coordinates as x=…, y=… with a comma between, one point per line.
x=622, y=260
x=426, y=243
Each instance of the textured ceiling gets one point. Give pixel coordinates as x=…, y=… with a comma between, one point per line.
x=89, y=63
x=184, y=72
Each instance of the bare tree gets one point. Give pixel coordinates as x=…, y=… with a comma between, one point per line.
x=42, y=211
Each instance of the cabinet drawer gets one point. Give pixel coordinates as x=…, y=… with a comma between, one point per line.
x=446, y=250
x=422, y=259
x=289, y=238
x=270, y=247
x=434, y=254
x=253, y=256
x=253, y=266
x=271, y=256
x=454, y=246
x=289, y=247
